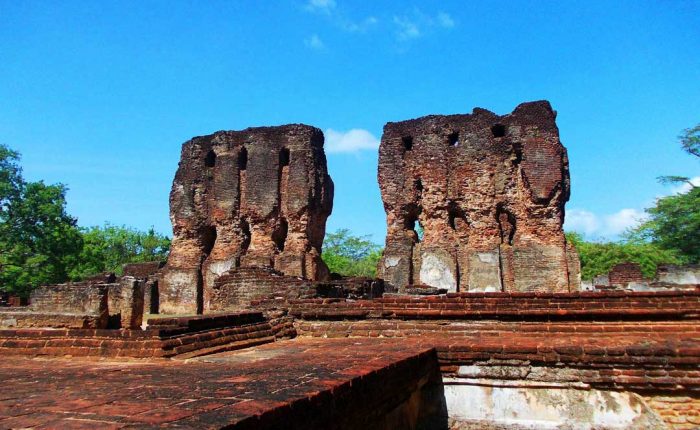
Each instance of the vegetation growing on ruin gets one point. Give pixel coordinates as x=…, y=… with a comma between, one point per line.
x=350, y=255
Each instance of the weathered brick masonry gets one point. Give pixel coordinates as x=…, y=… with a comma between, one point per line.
x=488, y=192
x=256, y=197
x=164, y=337
x=308, y=385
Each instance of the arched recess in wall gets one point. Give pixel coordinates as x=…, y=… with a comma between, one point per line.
x=210, y=159
x=208, y=240
x=412, y=223
x=456, y=218
x=453, y=139
x=242, y=159
x=407, y=144
x=279, y=235
x=506, y=224
x=284, y=157
x=245, y=233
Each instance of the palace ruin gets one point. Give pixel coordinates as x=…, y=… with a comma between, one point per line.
x=475, y=320
x=488, y=192
x=257, y=197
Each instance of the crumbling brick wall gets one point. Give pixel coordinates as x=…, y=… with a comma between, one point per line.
x=257, y=197
x=487, y=191
x=149, y=274
x=75, y=298
x=126, y=303
x=621, y=275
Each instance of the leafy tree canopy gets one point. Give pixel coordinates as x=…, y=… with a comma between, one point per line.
x=108, y=248
x=674, y=221
x=599, y=257
x=350, y=255
x=39, y=241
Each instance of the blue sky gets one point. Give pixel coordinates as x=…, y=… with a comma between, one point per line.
x=100, y=95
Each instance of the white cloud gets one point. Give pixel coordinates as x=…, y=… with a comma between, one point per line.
x=414, y=25
x=352, y=140
x=407, y=29
x=605, y=226
x=324, y=6
x=582, y=221
x=685, y=187
x=356, y=26
x=314, y=42
x=445, y=20
x=620, y=221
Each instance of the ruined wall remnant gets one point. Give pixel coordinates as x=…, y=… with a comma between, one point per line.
x=622, y=274
x=252, y=198
x=476, y=202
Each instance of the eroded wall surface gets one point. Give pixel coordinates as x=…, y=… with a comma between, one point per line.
x=488, y=193
x=252, y=198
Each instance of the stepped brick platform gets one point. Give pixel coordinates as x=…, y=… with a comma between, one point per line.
x=612, y=305
x=630, y=356
x=163, y=338
x=301, y=384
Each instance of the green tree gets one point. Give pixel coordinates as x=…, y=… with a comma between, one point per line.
x=673, y=225
x=674, y=221
x=350, y=255
x=39, y=241
x=108, y=248
x=599, y=257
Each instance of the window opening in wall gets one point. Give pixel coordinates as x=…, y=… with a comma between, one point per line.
x=454, y=213
x=245, y=229
x=453, y=139
x=208, y=239
x=506, y=225
x=279, y=236
x=243, y=159
x=210, y=159
x=498, y=130
x=418, y=184
x=413, y=223
x=284, y=157
x=407, y=142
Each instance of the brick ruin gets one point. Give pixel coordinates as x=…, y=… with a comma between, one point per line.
x=629, y=276
x=252, y=198
x=488, y=192
x=515, y=346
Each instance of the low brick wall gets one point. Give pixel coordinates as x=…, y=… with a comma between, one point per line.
x=167, y=337
x=78, y=305
x=611, y=305
x=78, y=298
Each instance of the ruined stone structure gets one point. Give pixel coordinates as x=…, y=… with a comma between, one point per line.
x=629, y=276
x=249, y=210
x=487, y=191
x=252, y=198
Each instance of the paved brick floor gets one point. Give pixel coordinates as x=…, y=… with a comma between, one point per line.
x=209, y=392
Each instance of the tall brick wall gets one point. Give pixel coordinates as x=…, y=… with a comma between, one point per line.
x=488, y=192
x=256, y=197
